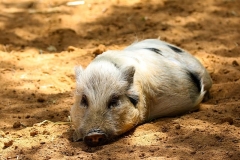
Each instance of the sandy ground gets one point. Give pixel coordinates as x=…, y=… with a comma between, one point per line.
x=41, y=42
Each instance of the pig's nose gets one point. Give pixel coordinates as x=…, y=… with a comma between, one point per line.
x=95, y=138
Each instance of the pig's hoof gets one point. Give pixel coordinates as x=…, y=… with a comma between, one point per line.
x=96, y=138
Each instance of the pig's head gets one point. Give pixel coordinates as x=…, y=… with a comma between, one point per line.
x=105, y=103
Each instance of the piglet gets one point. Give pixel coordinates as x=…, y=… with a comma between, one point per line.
x=121, y=89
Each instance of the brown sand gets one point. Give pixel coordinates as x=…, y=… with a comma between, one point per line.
x=42, y=41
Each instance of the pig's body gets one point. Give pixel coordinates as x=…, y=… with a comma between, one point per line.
x=121, y=89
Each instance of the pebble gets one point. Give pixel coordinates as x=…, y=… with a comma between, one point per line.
x=41, y=100
x=46, y=132
x=99, y=50
x=227, y=119
x=17, y=125
x=8, y=144
x=71, y=49
x=42, y=142
x=177, y=126
x=235, y=63
x=52, y=49
x=164, y=129
x=33, y=133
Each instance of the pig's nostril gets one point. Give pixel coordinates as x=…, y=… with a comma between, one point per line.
x=95, y=139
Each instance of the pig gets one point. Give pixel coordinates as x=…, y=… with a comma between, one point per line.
x=121, y=89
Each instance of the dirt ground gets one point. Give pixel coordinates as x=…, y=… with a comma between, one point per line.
x=42, y=40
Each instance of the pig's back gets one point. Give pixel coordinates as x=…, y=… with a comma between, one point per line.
x=172, y=81
x=175, y=54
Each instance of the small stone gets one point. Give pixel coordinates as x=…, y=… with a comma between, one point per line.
x=2, y=134
x=17, y=125
x=33, y=133
x=8, y=144
x=235, y=141
x=225, y=71
x=177, y=126
x=41, y=100
x=142, y=155
x=227, y=119
x=164, y=129
x=42, y=142
x=71, y=49
x=219, y=138
x=101, y=48
x=52, y=49
x=27, y=116
x=46, y=132
x=235, y=63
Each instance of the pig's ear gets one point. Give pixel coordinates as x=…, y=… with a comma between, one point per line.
x=78, y=73
x=77, y=136
x=128, y=73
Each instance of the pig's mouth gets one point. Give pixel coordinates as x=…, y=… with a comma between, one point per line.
x=95, y=137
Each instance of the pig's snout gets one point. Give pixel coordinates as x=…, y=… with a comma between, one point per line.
x=95, y=138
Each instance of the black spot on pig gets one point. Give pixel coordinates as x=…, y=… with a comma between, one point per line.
x=195, y=79
x=175, y=49
x=155, y=50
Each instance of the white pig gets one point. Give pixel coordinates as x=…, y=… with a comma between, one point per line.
x=121, y=89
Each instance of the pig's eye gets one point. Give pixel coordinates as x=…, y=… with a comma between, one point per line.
x=114, y=102
x=84, y=101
